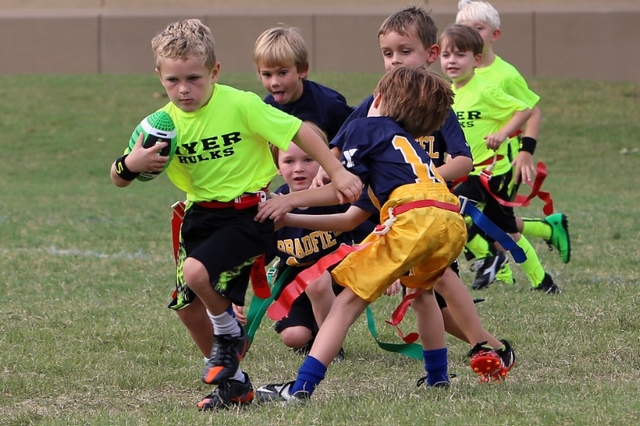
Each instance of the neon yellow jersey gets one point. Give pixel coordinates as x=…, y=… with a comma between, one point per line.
x=508, y=78
x=482, y=109
x=223, y=148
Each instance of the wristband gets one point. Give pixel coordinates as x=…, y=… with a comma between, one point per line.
x=528, y=144
x=123, y=171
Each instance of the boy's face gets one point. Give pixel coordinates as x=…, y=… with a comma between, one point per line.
x=486, y=31
x=283, y=83
x=407, y=50
x=297, y=168
x=189, y=84
x=457, y=65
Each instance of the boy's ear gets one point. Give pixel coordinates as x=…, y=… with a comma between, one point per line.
x=303, y=71
x=476, y=60
x=434, y=54
x=215, y=72
x=496, y=35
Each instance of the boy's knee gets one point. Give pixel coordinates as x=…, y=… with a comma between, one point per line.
x=195, y=274
x=320, y=287
x=295, y=337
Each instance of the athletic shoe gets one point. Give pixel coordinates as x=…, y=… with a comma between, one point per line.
x=227, y=394
x=304, y=349
x=508, y=356
x=443, y=384
x=486, y=362
x=242, y=343
x=226, y=354
x=340, y=357
x=280, y=392
x=486, y=272
x=505, y=275
x=559, y=235
x=547, y=285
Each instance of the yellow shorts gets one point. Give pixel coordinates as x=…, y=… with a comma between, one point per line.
x=424, y=241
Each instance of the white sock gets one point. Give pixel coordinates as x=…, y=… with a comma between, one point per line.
x=225, y=324
x=239, y=376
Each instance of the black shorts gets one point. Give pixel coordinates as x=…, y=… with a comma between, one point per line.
x=226, y=241
x=500, y=185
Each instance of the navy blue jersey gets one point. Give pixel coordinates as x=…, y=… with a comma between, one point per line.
x=319, y=104
x=384, y=156
x=302, y=247
x=449, y=139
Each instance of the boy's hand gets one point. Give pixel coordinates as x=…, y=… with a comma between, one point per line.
x=321, y=179
x=393, y=289
x=524, y=169
x=239, y=312
x=273, y=208
x=142, y=159
x=494, y=140
x=348, y=186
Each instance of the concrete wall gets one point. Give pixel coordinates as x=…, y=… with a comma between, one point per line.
x=598, y=43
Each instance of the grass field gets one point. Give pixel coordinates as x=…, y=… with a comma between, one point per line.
x=85, y=338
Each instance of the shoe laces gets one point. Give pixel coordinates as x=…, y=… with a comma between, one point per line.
x=479, y=348
x=223, y=351
x=423, y=380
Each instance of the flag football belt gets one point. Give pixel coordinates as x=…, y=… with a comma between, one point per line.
x=242, y=202
x=521, y=200
x=402, y=208
x=282, y=306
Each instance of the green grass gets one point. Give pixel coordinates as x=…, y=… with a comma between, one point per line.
x=85, y=338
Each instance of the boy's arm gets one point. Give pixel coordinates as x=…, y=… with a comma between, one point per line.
x=523, y=165
x=346, y=185
x=139, y=160
x=345, y=222
x=455, y=168
x=516, y=122
x=277, y=206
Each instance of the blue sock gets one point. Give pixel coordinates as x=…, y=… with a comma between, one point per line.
x=230, y=311
x=435, y=363
x=310, y=374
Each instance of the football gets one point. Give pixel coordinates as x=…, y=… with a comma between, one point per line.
x=157, y=127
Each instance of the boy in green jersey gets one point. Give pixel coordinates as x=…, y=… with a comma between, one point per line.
x=223, y=164
x=488, y=116
x=492, y=68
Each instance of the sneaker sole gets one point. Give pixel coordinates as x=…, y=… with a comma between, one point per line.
x=487, y=366
x=213, y=376
x=240, y=401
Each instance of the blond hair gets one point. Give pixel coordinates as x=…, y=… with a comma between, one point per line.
x=281, y=46
x=478, y=10
x=184, y=39
x=418, y=99
x=412, y=20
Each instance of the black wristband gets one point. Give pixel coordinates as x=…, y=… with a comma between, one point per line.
x=123, y=171
x=528, y=144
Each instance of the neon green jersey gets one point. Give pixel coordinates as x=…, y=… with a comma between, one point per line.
x=508, y=78
x=223, y=148
x=482, y=109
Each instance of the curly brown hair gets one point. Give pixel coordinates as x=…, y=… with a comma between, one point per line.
x=418, y=99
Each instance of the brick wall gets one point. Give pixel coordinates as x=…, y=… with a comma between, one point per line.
x=594, y=42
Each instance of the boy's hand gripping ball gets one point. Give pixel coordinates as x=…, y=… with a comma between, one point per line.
x=157, y=127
